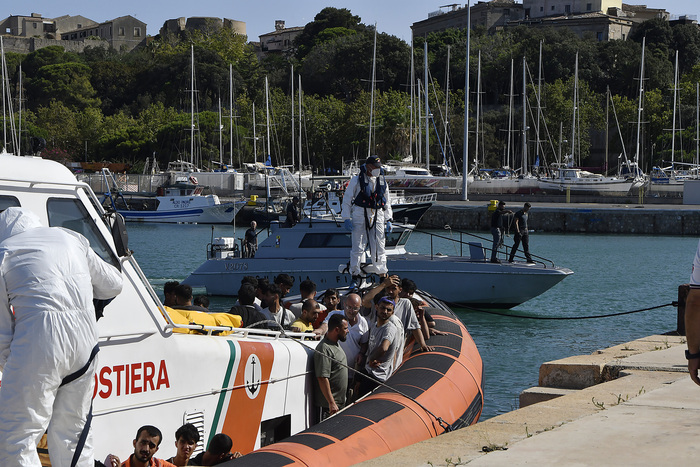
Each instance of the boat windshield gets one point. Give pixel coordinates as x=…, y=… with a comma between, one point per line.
x=72, y=215
x=397, y=238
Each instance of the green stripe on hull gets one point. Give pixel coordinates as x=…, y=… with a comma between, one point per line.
x=222, y=396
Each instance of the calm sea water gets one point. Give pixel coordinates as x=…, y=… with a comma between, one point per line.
x=612, y=273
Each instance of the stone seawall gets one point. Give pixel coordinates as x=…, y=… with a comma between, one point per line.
x=637, y=219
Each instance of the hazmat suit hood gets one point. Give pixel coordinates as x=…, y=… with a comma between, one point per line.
x=16, y=220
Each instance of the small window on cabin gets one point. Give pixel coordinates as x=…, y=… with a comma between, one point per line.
x=8, y=202
x=395, y=238
x=70, y=213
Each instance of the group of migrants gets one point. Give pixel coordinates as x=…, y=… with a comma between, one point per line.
x=148, y=440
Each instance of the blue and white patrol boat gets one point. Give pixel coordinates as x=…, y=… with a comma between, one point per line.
x=319, y=250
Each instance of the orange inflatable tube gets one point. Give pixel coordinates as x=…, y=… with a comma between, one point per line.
x=430, y=393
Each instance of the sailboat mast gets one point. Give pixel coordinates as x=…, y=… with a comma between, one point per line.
x=292, y=93
x=221, y=141
x=525, y=162
x=478, y=108
x=675, y=102
x=192, y=105
x=371, y=104
x=4, y=96
x=447, y=97
x=230, y=106
x=418, y=124
x=427, y=108
x=411, y=106
x=300, y=97
x=575, y=101
x=539, y=101
x=255, y=138
x=465, y=149
x=19, y=133
x=510, y=115
x=267, y=117
x=697, y=125
x=639, y=104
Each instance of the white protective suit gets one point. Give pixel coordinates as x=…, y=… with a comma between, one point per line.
x=48, y=278
x=362, y=232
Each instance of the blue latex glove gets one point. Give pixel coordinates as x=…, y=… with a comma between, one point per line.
x=347, y=223
x=389, y=227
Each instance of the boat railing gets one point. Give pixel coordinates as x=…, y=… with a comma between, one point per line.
x=476, y=249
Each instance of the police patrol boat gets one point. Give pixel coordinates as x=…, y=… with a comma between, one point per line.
x=319, y=249
x=167, y=367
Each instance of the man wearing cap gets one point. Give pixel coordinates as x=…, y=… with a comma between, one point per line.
x=497, y=228
x=367, y=212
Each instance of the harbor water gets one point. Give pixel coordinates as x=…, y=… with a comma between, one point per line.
x=612, y=274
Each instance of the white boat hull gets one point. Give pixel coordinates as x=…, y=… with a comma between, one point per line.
x=216, y=214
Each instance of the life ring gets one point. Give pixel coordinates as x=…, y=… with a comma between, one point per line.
x=193, y=179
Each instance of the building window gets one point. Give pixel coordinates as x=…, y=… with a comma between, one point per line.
x=506, y=12
x=567, y=9
x=137, y=32
x=552, y=7
x=589, y=6
x=34, y=25
x=600, y=37
x=80, y=26
x=121, y=32
x=623, y=37
x=542, y=8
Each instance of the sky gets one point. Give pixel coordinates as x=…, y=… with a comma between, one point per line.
x=391, y=16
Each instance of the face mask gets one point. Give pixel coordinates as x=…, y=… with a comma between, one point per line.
x=376, y=172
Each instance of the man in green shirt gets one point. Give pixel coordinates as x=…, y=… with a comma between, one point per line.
x=330, y=366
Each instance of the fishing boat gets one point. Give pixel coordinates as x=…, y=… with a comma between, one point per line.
x=182, y=201
x=167, y=367
x=319, y=250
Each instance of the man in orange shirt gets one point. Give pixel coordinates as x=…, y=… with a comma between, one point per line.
x=146, y=444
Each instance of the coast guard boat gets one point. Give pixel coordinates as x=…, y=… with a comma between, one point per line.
x=319, y=250
x=167, y=367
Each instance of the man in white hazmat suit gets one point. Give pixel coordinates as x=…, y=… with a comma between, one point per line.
x=367, y=212
x=48, y=339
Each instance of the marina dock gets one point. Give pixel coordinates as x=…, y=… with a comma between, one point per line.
x=631, y=404
x=591, y=218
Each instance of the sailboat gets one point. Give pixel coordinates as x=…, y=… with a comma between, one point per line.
x=504, y=180
x=671, y=179
x=566, y=177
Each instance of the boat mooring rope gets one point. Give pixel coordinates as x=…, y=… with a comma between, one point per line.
x=510, y=315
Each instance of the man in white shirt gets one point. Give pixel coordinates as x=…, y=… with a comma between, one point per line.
x=275, y=311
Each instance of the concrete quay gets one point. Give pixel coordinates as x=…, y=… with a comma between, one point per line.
x=595, y=218
x=631, y=404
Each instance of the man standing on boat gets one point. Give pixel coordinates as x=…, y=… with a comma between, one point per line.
x=521, y=234
x=330, y=367
x=497, y=228
x=250, y=241
x=49, y=277
x=367, y=213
